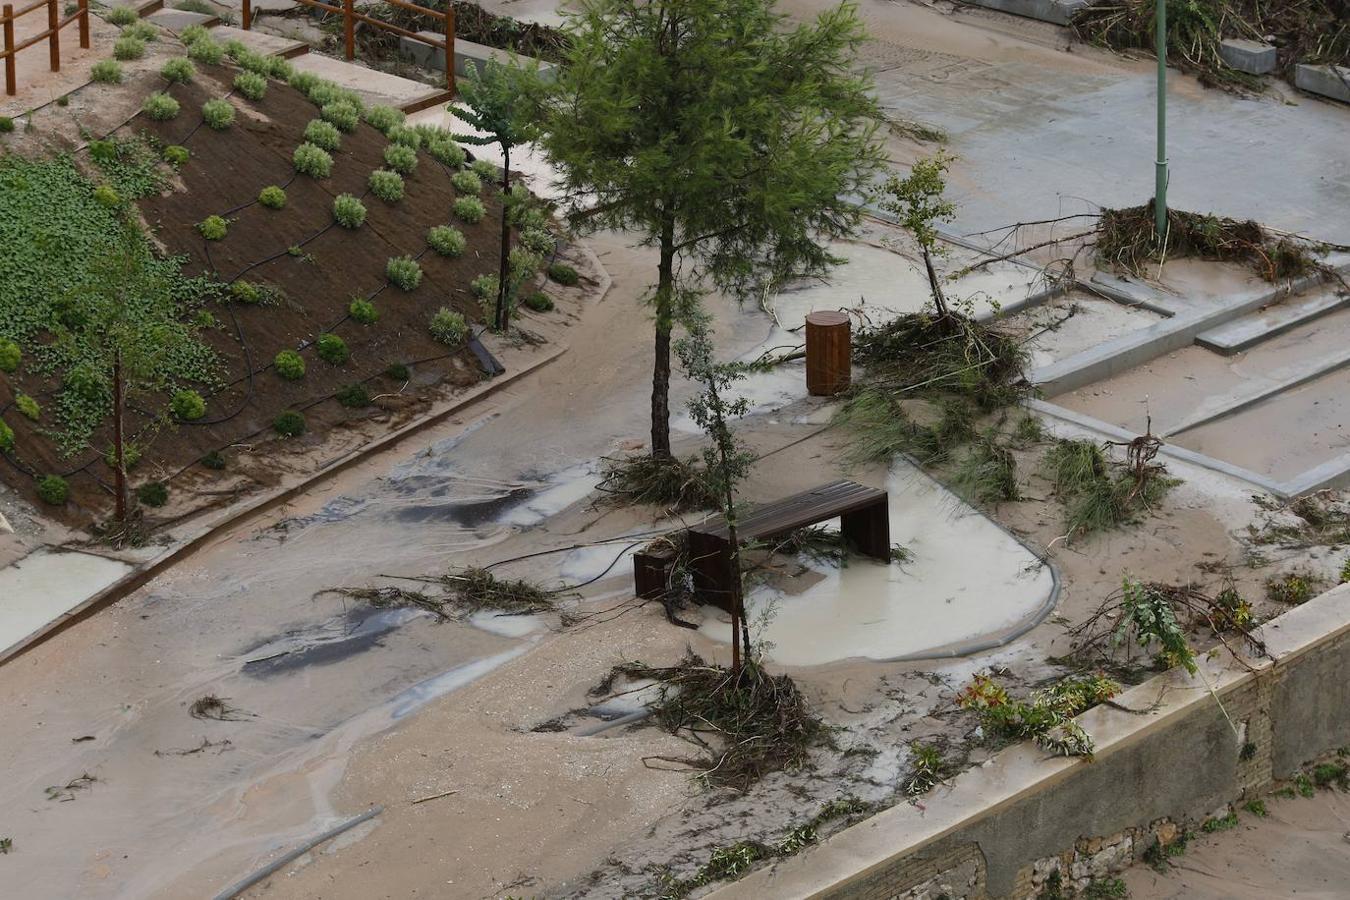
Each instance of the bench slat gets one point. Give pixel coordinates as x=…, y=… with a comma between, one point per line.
x=825, y=502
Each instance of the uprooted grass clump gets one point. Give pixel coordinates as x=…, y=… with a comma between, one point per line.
x=1129, y=240
x=218, y=708
x=1098, y=493
x=459, y=593
x=674, y=484
x=747, y=723
x=1046, y=718
x=987, y=473
x=827, y=545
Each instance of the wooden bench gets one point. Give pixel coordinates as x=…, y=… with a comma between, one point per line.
x=864, y=522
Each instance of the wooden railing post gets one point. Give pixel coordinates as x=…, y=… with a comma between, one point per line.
x=247, y=16
x=349, y=28
x=84, y=24
x=450, y=46
x=10, y=86
x=54, y=42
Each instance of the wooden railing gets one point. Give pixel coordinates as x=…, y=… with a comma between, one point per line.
x=8, y=14
x=350, y=16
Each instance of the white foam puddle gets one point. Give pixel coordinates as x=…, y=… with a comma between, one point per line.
x=598, y=562
x=968, y=580
x=564, y=488
x=410, y=699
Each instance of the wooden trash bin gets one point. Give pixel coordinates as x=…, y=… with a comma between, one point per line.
x=828, y=351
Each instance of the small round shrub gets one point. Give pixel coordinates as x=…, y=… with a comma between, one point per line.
x=278, y=67
x=28, y=406
x=218, y=113
x=348, y=211
x=397, y=372
x=188, y=406
x=160, y=107
x=449, y=327
x=53, y=489
x=363, y=311
x=6, y=438
x=485, y=170
x=141, y=30
x=246, y=292
x=251, y=85
x=467, y=182
x=304, y=82
x=128, y=48
x=539, y=301
x=122, y=16
x=206, y=51
x=469, y=209
x=131, y=455
x=563, y=274
x=178, y=70
x=10, y=355
x=106, y=195
x=484, y=287
x=236, y=49
x=256, y=64
x=290, y=365
x=404, y=272
x=538, y=241
x=272, y=197
x=447, y=151
x=332, y=349
x=353, y=396
x=204, y=318
x=107, y=71
x=191, y=34
x=213, y=228
x=405, y=137
x=214, y=460
x=323, y=134
x=446, y=241
x=324, y=92
x=176, y=155
x=289, y=424
x=400, y=158
x=386, y=185
x=313, y=161
x=343, y=115
x=6, y=125
x=383, y=118
x=153, y=493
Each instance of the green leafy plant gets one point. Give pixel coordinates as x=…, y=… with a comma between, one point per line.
x=563, y=274
x=289, y=424
x=153, y=493
x=332, y=349
x=122, y=16
x=539, y=302
x=398, y=372
x=218, y=113
x=484, y=287
x=188, y=406
x=128, y=48
x=353, y=396
x=386, y=185
x=449, y=327
x=289, y=365
x=106, y=196
x=6, y=437
x=28, y=407
x=538, y=241
x=6, y=125
x=1256, y=807
x=178, y=70
x=246, y=292
x=1293, y=588
x=160, y=107
x=403, y=272
x=1047, y=718
x=348, y=211
x=10, y=355
x=323, y=134
x=176, y=155
x=141, y=30
x=1222, y=823
x=405, y=137
x=250, y=84
x=485, y=170
x=53, y=490
x=469, y=209
x=206, y=51
x=383, y=118
x=363, y=311
x=213, y=228
x=446, y=241
x=400, y=158
x=191, y=34
x=342, y=115
x=446, y=151
x=272, y=197
x=106, y=71
x=467, y=182
x=312, y=160
x=214, y=460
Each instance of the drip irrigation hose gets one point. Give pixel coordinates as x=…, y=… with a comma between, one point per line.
x=271, y=868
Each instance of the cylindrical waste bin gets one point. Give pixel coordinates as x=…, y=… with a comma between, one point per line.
x=828, y=348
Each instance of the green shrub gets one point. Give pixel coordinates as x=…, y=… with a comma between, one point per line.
x=400, y=158
x=256, y=64
x=189, y=406
x=236, y=49
x=342, y=115
x=214, y=460
x=128, y=48
x=323, y=134
x=153, y=493
x=323, y=92
x=6, y=438
x=289, y=424
x=405, y=137
x=53, y=489
x=363, y=311
x=107, y=71
x=160, y=107
x=176, y=156
x=279, y=68
x=304, y=82
x=354, y=396
x=251, y=85
x=484, y=287
x=141, y=30
x=524, y=264
x=206, y=51
x=272, y=197
x=469, y=209
x=103, y=152
x=178, y=70
x=122, y=16
x=290, y=365
x=28, y=406
x=563, y=274
x=213, y=228
x=246, y=292
x=6, y=125
x=193, y=33
x=386, y=185
x=467, y=182
x=404, y=272
x=539, y=301
x=348, y=211
x=449, y=327
x=218, y=113
x=398, y=372
x=446, y=241
x=106, y=195
x=313, y=161
x=485, y=170
x=384, y=118
x=332, y=349
x=446, y=151
x=10, y=355
x=203, y=318
x=538, y=241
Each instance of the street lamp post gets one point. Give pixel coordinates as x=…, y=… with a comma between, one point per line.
x=1160, y=187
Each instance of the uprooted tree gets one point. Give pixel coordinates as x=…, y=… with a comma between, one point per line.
x=721, y=136
x=918, y=202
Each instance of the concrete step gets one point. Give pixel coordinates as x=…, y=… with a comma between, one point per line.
x=1250, y=330
x=375, y=87
x=260, y=42
x=175, y=20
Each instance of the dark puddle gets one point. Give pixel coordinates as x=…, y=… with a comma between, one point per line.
x=354, y=632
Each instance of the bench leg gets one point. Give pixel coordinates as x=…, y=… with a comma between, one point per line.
x=869, y=531
x=710, y=564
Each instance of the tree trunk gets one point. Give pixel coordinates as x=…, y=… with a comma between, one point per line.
x=665, y=290
x=939, y=300
x=502, y=319
x=119, y=457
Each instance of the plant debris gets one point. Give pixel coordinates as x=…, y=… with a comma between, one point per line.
x=217, y=708
x=463, y=592
x=1098, y=493
x=675, y=485
x=1047, y=718
x=64, y=793
x=218, y=746
x=1319, y=519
